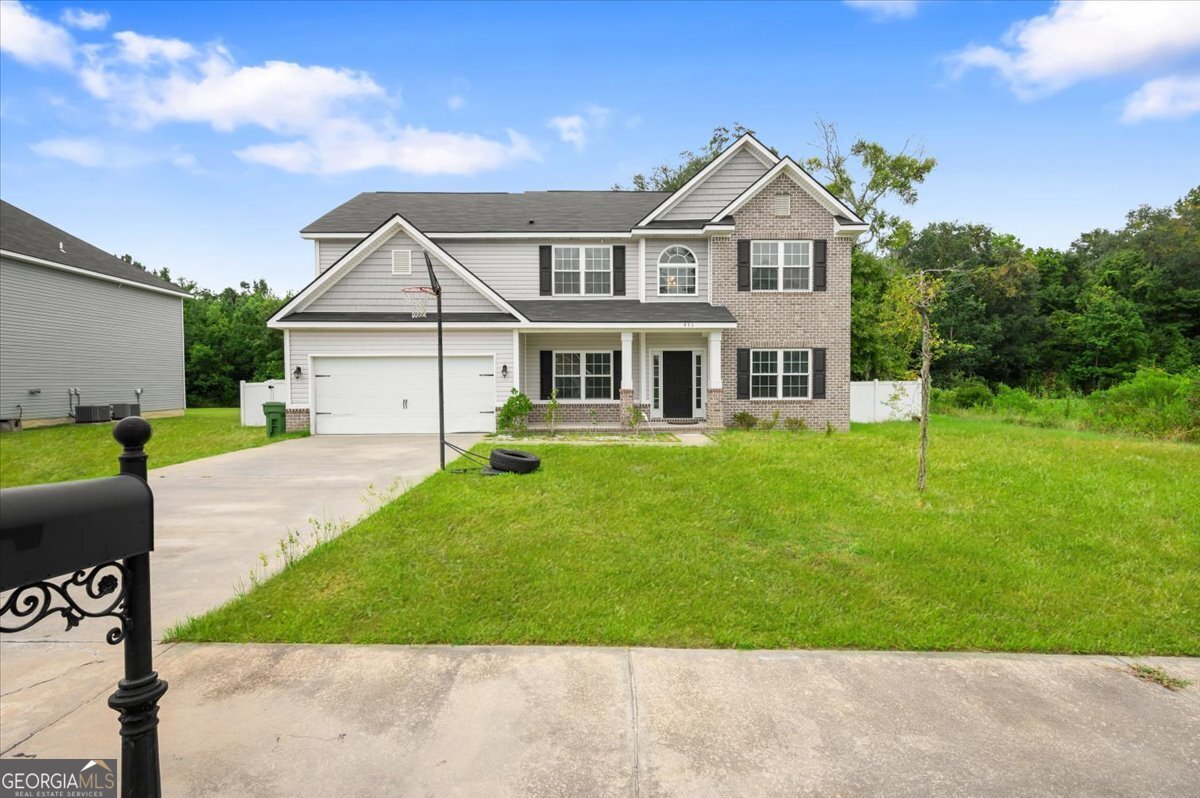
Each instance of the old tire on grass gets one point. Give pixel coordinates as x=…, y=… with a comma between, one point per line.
x=514, y=460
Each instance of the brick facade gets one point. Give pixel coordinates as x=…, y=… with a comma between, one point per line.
x=296, y=419
x=781, y=320
x=608, y=413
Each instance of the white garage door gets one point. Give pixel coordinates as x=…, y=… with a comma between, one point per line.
x=366, y=395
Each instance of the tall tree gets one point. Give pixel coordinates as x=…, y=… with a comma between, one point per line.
x=878, y=176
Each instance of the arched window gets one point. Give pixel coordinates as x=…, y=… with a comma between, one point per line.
x=676, y=271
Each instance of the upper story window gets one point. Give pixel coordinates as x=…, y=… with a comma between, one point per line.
x=677, y=271
x=583, y=271
x=781, y=265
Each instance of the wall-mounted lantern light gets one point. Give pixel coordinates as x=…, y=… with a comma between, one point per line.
x=504, y=371
x=297, y=373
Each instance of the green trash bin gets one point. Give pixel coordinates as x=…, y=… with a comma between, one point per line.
x=276, y=413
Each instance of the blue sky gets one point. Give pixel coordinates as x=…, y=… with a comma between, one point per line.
x=204, y=136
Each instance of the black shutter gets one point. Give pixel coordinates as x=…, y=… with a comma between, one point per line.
x=616, y=373
x=743, y=264
x=618, y=271
x=545, y=272
x=743, y=374
x=818, y=374
x=547, y=373
x=819, y=265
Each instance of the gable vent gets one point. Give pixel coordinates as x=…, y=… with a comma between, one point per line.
x=401, y=261
x=783, y=204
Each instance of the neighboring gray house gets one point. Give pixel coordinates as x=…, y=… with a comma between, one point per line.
x=75, y=317
x=730, y=294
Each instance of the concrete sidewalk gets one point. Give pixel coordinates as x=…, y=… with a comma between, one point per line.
x=213, y=518
x=263, y=720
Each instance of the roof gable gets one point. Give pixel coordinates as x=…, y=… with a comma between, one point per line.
x=806, y=181
x=747, y=143
x=26, y=237
x=391, y=227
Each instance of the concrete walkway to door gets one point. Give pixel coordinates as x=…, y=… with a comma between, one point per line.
x=213, y=519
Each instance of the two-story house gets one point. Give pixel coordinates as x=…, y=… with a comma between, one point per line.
x=730, y=294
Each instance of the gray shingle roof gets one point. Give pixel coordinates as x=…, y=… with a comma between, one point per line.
x=549, y=211
x=24, y=233
x=620, y=310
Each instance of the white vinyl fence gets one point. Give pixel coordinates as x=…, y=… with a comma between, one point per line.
x=253, y=394
x=881, y=400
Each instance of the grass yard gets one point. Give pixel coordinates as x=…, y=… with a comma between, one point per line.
x=1028, y=540
x=83, y=451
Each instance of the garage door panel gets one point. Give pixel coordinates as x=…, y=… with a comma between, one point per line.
x=365, y=395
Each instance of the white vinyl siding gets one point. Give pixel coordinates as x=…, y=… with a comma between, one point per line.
x=60, y=330
x=720, y=188
x=511, y=267
x=332, y=250
x=399, y=342
x=372, y=286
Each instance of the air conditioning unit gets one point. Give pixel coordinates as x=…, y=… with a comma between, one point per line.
x=122, y=410
x=92, y=414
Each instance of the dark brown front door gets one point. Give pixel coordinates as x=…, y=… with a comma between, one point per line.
x=677, y=384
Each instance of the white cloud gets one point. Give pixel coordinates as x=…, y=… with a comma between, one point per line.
x=353, y=145
x=1173, y=97
x=31, y=39
x=84, y=152
x=84, y=20
x=332, y=119
x=577, y=128
x=455, y=102
x=571, y=129
x=1087, y=39
x=138, y=49
x=96, y=154
x=883, y=10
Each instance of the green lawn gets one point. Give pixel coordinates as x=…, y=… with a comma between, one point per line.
x=1028, y=540
x=82, y=451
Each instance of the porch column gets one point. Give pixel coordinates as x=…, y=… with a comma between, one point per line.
x=626, y=375
x=716, y=396
x=714, y=359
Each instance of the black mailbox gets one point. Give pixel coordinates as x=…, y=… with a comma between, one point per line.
x=48, y=530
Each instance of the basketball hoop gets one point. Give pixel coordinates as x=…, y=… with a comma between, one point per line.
x=418, y=297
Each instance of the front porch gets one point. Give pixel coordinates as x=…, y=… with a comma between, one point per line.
x=672, y=375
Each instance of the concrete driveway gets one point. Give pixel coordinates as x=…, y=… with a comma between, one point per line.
x=213, y=519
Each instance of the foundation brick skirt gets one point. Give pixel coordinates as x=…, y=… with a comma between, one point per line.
x=296, y=419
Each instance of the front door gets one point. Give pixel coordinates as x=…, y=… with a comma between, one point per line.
x=677, y=384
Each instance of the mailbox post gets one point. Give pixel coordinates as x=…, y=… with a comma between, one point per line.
x=101, y=532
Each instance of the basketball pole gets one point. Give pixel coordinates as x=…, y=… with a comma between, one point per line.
x=437, y=292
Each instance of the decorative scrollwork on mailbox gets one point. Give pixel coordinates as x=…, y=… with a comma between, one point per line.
x=97, y=592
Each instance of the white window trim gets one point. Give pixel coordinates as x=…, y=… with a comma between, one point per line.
x=656, y=379
x=779, y=397
x=659, y=267
x=779, y=242
x=583, y=353
x=582, y=271
x=403, y=264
